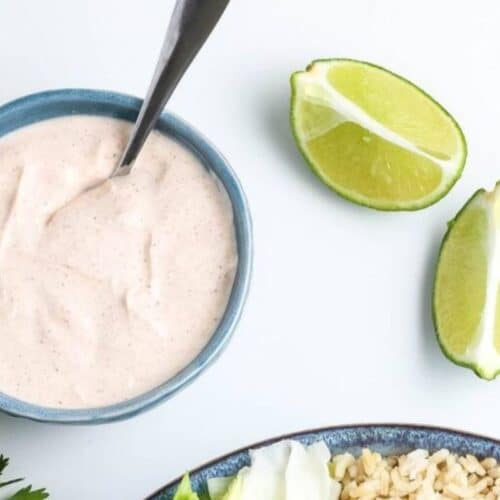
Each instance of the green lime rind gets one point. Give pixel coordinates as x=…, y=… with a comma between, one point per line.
x=480, y=371
x=353, y=196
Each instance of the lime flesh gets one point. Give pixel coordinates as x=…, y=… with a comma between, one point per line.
x=374, y=137
x=467, y=286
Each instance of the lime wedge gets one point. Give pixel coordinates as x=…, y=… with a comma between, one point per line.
x=467, y=286
x=374, y=137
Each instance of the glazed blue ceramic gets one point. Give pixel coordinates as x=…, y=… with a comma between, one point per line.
x=38, y=107
x=386, y=439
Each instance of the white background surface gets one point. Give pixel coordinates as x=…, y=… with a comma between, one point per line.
x=337, y=328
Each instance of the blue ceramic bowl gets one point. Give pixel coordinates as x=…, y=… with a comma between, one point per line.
x=38, y=107
x=386, y=438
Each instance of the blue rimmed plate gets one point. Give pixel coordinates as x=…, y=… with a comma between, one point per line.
x=385, y=438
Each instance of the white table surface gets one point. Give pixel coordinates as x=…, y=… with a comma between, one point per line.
x=337, y=328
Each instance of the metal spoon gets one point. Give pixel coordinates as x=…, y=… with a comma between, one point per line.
x=191, y=23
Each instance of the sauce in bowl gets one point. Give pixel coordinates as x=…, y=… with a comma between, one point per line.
x=107, y=287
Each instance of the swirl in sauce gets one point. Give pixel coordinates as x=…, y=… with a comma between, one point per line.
x=107, y=287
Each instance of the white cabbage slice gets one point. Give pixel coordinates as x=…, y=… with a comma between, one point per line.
x=307, y=474
x=283, y=471
x=218, y=486
x=234, y=491
x=266, y=477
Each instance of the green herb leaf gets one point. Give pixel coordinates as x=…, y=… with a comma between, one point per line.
x=12, y=481
x=29, y=494
x=4, y=461
x=25, y=493
x=184, y=491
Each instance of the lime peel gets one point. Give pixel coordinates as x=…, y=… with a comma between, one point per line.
x=317, y=108
x=481, y=354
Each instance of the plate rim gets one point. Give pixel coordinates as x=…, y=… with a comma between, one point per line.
x=319, y=430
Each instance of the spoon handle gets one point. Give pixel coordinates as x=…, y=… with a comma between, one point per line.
x=191, y=23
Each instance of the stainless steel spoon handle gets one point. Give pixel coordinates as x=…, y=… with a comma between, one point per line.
x=191, y=24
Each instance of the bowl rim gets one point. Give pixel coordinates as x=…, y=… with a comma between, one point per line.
x=318, y=431
x=108, y=103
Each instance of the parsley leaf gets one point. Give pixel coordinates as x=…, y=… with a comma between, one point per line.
x=12, y=481
x=28, y=494
x=4, y=461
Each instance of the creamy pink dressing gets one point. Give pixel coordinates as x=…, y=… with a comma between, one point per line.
x=107, y=287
